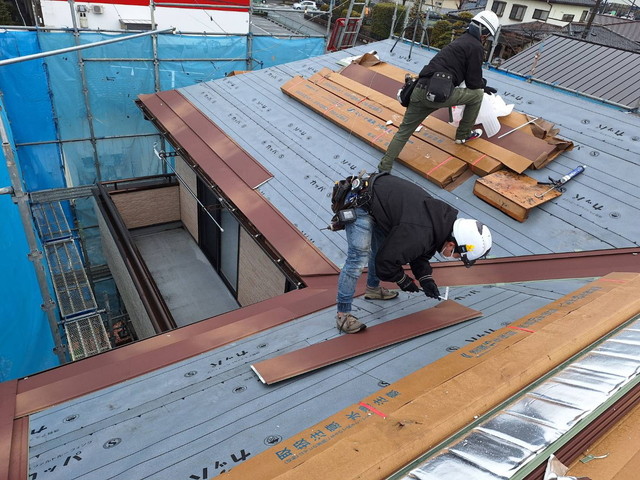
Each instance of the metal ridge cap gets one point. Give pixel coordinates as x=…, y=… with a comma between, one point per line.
x=549, y=266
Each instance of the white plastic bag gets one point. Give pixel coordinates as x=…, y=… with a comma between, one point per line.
x=493, y=106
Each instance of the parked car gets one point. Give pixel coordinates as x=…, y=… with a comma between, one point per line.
x=305, y=5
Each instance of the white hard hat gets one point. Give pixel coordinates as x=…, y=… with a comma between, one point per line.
x=473, y=239
x=489, y=20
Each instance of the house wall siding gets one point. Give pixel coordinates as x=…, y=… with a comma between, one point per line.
x=258, y=277
x=556, y=11
x=143, y=208
x=188, y=204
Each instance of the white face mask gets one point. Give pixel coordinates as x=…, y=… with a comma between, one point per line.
x=448, y=258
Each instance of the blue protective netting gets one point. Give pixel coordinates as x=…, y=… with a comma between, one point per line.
x=26, y=344
x=48, y=114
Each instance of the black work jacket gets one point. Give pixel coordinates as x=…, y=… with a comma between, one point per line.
x=462, y=58
x=415, y=225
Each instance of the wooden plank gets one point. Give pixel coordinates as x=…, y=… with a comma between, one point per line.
x=513, y=194
x=435, y=165
x=337, y=349
x=537, y=152
x=388, y=109
x=519, y=152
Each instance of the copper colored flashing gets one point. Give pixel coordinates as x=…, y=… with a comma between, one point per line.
x=100, y=371
x=298, y=252
x=343, y=347
x=19, y=462
x=7, y=413
x=596, y=263
x=242, y=164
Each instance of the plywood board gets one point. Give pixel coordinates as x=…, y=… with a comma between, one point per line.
x=435, y=165
x=514, y=194
x=618, y=452
x=388, y=109
x=518, y=153
x=343, y=347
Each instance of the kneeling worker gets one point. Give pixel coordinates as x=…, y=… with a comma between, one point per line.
x=398, y=223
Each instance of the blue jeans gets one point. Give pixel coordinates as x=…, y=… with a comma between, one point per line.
x=364, y=238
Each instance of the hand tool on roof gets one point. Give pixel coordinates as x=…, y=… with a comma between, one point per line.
x=557, y=184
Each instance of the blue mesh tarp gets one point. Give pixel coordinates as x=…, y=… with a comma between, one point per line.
x=76, y=126
x=26, y=97
x=271, y=51
x=26, y=343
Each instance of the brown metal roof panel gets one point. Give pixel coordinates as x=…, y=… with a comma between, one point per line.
x=8, y=391
x=303, y=256
x=539, y=267
x=311, y=358
x=109, y=368
x=242, y=164
x=19, y=462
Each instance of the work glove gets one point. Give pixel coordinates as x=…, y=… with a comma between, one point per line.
x=488, y=90
x=407, y=284
x=429, y=287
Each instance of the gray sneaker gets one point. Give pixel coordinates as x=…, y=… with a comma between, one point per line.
x=379, y=293
x=347, y=323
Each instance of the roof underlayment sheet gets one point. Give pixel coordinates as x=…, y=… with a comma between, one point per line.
x=427, y=407
x=187, y=405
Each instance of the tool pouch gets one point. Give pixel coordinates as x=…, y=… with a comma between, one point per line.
x=404, y=94
x=440, y=87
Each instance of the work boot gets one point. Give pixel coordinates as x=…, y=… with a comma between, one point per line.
x=379, y=293
x=347, y=323
x=474, y=134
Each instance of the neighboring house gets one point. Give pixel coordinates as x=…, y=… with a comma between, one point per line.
x=515, y=38
x=231, y=16
x=629, y=30
x=554, y=12
x=579, y=66
x=602, y=35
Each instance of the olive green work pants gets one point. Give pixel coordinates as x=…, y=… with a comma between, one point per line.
x=420, y=108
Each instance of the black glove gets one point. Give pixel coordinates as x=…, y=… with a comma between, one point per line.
x=490, y=90
x=407, y=284
x=429, y=287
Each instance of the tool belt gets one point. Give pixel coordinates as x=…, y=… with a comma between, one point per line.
x=439, y=87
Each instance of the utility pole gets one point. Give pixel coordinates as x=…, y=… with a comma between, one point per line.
x=594, y=12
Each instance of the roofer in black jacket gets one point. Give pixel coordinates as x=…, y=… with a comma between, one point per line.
x=462, y=60
x=402, y=224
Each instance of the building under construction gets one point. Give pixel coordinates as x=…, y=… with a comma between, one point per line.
x=171, y=280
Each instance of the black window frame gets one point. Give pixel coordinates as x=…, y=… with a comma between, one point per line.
x=543, y=15
x=517, y=12
x=568, y=18
x=498, y=7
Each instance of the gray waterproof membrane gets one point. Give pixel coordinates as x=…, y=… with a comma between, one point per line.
x=506, y=442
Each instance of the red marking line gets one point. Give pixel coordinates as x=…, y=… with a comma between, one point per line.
x=369, y=407
x=333, y=106
x=439, y=165
x=381, y=134
x=520, y=328
x=479, y=158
